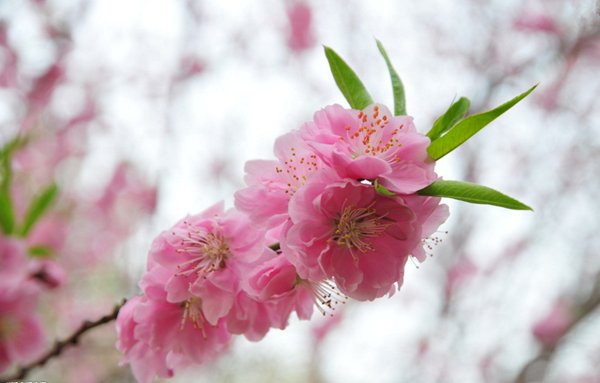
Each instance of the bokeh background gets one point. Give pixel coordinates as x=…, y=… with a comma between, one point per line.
x=143, y=111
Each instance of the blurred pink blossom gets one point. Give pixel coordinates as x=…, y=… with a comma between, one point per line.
x=553, y=325
x=536, y=22
x=321, y=329
x=458, y=274
x=22, y=337
x=9, y=59
x=300, y=33
x=13, y=262
x=21, y=334
x=45, y=85
x=48, y=273
x=189, y=66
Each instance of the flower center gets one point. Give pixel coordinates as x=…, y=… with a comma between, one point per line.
x=208, y=252
x=295, y=169
x=374, y=137
x=355, y=225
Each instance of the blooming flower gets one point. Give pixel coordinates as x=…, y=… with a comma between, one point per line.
x=372, y=144
x=346, y=231
x=205, y=255
x=212, y=274
x=271, y=184
x=277, y=283
x=158, y=336
x=430, y=214
x=146, y=363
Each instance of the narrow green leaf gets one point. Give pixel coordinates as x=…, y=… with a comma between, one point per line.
x=40, y=251
x=472, y=193
x=7, y=214
x=455, y=112
x=379, y=188
x=397, y=87
x=466, y=128
x=38, y=207
x=347, y=81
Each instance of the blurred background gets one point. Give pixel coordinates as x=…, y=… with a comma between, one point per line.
x=143, y=111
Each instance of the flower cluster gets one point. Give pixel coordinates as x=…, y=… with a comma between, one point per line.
x=335, y=216
x=22, y=279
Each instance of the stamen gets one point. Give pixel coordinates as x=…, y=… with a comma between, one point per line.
x=430, y=242
x=208, y=251
x=325, y=295
x=298, y=166
x=193, y=312
x=354, y=225
x=374, y=137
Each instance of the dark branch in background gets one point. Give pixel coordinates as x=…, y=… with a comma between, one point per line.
x=61, y=345
x=545, y=356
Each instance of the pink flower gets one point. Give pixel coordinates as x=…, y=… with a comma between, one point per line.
x=372, y=144
x=127, y=190
x=180, y=329
x=8, y=70
x=205, y=255
x=458, y=273
x=272, y=278
x=271, y=184
x=549, y=329
x=276, y=283
x=430, y=214
x=158, y=337
x=346, y=231
x=50, y=231
x=248, y=317
x=146, y=363
x=47, y=273
x=531, y=22
x=22, y=337
x=14, y=263
x=300, y=33
x=45, y=85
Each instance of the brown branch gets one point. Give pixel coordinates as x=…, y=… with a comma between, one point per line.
x=545, y=356
x=61, y=345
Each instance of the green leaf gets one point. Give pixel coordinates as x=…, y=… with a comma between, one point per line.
x=455, y=112
x=472, y=193
x=379, y=188
x=347, y=81
x=397, y=87
x=7, y=214
x=40, y=251
x=466, y=128
x=38, y=207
